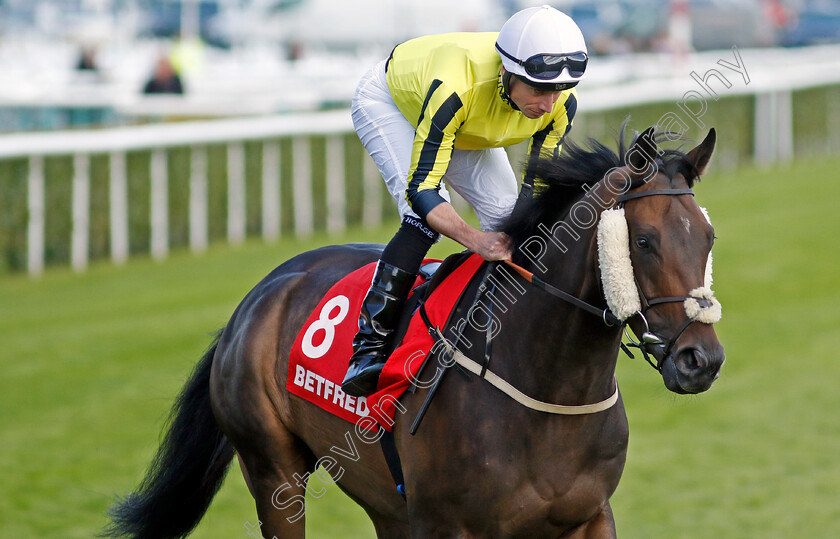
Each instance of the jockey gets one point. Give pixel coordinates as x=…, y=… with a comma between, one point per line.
x=443, y=107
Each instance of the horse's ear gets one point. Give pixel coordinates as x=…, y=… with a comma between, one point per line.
x=702, y=154
x=642, y=152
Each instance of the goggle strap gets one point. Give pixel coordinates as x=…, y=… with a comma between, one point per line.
x=549, y=86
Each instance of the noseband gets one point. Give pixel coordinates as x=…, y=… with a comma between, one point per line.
x=647, y=338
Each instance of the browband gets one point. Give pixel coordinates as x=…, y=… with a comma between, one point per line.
x=631, y=196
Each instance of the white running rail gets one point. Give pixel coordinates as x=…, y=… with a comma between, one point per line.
x=770, y=85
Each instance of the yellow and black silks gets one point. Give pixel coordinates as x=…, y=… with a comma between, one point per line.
x=449, y=87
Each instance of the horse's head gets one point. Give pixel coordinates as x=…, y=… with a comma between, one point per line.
x=653, y=241
x=666, y=296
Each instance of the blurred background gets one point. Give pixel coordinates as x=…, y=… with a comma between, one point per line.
x=75, y=63
x=158, y=157
x=132, y=127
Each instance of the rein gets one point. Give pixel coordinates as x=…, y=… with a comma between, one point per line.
x=605, y=314
x=456, y=357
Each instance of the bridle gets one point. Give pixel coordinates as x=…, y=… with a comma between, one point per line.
x=647, y=338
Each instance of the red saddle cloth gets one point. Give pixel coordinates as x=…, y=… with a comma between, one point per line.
x=321, y=352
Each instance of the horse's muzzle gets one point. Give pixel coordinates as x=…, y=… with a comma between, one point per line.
x=692, y=369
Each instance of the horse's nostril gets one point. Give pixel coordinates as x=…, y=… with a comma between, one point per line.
x=693, y=369
x=693, y=362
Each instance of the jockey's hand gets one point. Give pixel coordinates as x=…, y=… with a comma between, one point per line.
x=488, y=245
x=494, y=246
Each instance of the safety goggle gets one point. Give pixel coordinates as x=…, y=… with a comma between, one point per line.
x=549, y=66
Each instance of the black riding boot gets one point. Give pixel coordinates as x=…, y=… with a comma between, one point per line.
x=377, y=319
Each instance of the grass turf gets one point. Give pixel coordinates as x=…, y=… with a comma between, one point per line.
x=91, y=363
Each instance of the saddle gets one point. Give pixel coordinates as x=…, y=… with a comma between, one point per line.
x=433, y=274
x=444, y=292
x=320, y=354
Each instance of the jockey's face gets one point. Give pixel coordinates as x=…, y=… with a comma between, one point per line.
x=533, y=102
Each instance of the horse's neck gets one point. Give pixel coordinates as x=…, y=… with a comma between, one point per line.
x=566, y=352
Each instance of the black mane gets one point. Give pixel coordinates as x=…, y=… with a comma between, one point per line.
x=565, y=177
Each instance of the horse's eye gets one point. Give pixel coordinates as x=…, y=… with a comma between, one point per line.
x=642, y=242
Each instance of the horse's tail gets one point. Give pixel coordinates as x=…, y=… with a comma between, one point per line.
x=186, y=472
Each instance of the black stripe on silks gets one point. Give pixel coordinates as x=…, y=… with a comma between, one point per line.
x=428, y=154
x=432, y=87
x=536, y=145
x=571, y=109
x=539, y=140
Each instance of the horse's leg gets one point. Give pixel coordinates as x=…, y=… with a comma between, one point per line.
x=601, y=526
x=276, y=467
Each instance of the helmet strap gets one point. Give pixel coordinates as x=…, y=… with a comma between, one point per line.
x=504, y=89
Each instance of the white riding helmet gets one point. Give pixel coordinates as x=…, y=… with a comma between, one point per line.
x=543, y=46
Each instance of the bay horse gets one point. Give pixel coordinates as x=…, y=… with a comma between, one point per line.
x=480, y=465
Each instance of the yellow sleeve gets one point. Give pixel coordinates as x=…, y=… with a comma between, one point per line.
x=440, y=117
x=548, y=142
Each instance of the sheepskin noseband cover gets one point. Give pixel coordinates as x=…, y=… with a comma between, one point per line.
x=618, y=281
x=616, y=270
